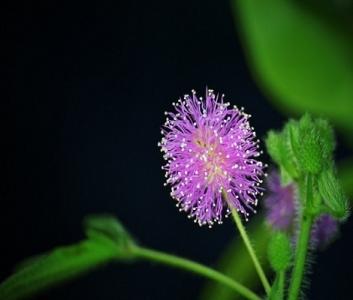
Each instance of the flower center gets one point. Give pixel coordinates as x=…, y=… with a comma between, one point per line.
x=209, y=152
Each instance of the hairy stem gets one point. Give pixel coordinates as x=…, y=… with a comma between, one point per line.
x=281, y=280
x=188, y=265
x=300, y=257
x=306, y=220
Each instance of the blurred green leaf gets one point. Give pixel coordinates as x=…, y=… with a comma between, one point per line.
x=59, y=265
x=107, y=226
x=107, y=241
x=298, y=56
x=236, y=263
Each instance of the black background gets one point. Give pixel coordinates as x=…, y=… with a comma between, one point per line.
x=88, y=85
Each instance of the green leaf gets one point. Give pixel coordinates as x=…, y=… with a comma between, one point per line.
x=57, y=266
x=99, y=226
x=107, y=241
x=236, y=263
x=300, y=58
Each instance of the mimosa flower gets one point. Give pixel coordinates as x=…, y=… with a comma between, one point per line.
x=211, y=153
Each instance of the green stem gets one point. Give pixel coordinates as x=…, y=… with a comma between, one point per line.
x=281, y=279
x=306, y=220
x=185, y=264
x=300, y=257
x=251, y=251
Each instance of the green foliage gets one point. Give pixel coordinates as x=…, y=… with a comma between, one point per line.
x=279, y=251
x=332, y=194
x=108, y=227
x=107, y=241
x=310, y=145
x=59, y=265
x=301, y=58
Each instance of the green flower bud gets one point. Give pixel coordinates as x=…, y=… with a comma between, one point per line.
x=280, y=150
x=327, y=138
x=332, y=194
x=275, y=146
x=279, y=251
x=290, y=135
x=310, y=154
x=303, y=147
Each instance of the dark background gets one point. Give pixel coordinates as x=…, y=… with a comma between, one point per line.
x=87, y=87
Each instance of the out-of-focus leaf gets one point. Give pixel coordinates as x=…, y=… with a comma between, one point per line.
x=298, y=57
x=107, y=241
x=59, y=265
x=98, y=226
x=236, y=263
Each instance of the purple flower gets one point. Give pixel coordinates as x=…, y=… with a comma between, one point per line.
x=281, y=212
x=210, y=150
x=279, y=203
x=324, y=230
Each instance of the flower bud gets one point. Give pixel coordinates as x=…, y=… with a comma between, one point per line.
x=279, y=147
x=310, y=156
x=279, y=251
x=332, y=194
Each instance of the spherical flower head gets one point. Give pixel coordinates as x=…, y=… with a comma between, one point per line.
x=280, y=203
x=210, y=150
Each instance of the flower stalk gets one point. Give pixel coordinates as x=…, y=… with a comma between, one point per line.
x=188, y=265
x=249, y=248
x=251, y=251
